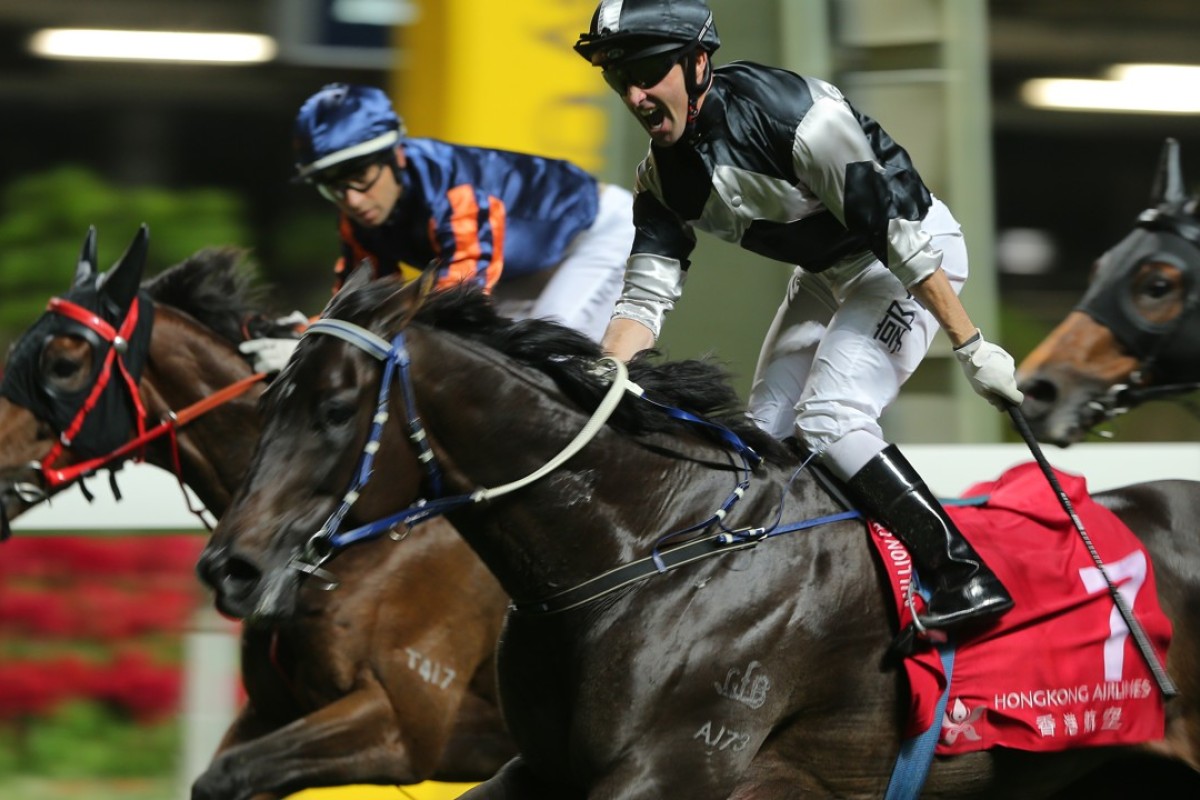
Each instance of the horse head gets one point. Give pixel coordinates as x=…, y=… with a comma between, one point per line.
x=438, y=397
x=197, y=386
x=1135, y=334
x=295, y=482
x=68, y=389
x=120, y=369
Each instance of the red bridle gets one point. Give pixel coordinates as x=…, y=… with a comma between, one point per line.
x=117, y=339
x=136, y=447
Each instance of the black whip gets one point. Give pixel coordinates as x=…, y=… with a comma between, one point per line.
x=1165, y=684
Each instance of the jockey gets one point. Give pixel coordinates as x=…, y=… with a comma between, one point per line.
x=541, y=234
x=784, y=166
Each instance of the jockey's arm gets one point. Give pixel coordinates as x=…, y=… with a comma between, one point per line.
x=988, y=367
x=624, y=338
x=939, y=299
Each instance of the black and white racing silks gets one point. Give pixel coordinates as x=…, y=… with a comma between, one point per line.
x=784, y=166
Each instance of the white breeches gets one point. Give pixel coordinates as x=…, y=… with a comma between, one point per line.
x=583, y=289
x=842, y=344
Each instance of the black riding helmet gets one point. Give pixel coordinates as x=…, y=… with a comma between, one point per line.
x=626, y=31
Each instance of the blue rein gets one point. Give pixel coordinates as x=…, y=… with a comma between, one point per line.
x=397, y=365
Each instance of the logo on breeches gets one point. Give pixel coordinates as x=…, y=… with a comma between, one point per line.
x=896, y=322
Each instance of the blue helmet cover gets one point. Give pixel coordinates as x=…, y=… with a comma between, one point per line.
x=342, y=122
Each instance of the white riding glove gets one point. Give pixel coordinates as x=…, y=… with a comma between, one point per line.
x=268, y=355
x=297, y=319
x=991, y=371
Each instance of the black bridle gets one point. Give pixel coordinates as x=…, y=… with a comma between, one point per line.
x=1168, y=355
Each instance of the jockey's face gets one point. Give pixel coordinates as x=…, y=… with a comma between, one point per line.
x=369, y=195
x=661, y=108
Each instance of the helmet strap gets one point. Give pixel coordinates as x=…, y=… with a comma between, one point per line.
x=695, y=90
x=394, y=164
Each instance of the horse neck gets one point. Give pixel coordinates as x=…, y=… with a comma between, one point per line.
x=187, y=363
x=491, y=422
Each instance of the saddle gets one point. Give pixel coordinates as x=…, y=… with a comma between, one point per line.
x=1060, y=669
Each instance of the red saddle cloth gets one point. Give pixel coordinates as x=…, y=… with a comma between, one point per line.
x=1060, y=670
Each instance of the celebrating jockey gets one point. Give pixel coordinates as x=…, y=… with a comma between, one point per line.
x=784, y=166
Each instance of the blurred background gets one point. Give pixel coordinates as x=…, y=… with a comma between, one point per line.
x=1042, y=180
x=201, y=151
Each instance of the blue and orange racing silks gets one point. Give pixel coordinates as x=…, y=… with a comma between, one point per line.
x=477, y=212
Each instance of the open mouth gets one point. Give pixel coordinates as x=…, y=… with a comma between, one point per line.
x=652, y=118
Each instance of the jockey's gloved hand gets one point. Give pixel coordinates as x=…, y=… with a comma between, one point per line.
x=990, y=370
x=268, y=355
x=297, y=320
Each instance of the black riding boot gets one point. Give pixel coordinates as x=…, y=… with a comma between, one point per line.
x=963, y=589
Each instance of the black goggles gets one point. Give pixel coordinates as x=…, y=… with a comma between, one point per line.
x=361, y=179
x=641, y=72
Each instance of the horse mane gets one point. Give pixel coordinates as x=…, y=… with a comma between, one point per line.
x=700, y=386
x=217, y=286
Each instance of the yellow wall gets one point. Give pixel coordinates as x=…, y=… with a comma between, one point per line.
x=503, y=74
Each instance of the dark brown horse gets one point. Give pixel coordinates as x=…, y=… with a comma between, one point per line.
x=388, y=679
x=607, y=666
x=1135, y=335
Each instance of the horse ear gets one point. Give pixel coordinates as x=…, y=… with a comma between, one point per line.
x=427, y=281
x=360, y=276
x=1168, y=183
x=420, y=288
x=85, y=269
x=120, y=284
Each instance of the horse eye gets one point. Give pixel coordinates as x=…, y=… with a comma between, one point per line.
x=334, y=412
x=65, y=364
x=1158, y=287
x=62, y=369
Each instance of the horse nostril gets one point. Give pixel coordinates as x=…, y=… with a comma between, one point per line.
x=228, y=574
x=1039, y=390
x=242, y=572
x=208, y=568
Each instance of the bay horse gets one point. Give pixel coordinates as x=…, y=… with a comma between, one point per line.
x=388, y=679
x=615, y=641
x=1135, y=334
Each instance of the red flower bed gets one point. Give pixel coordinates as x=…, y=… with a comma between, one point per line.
x=94, y=610
x=136, y=684
x=114, y=556
x=98, y=619
x=33, y=688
